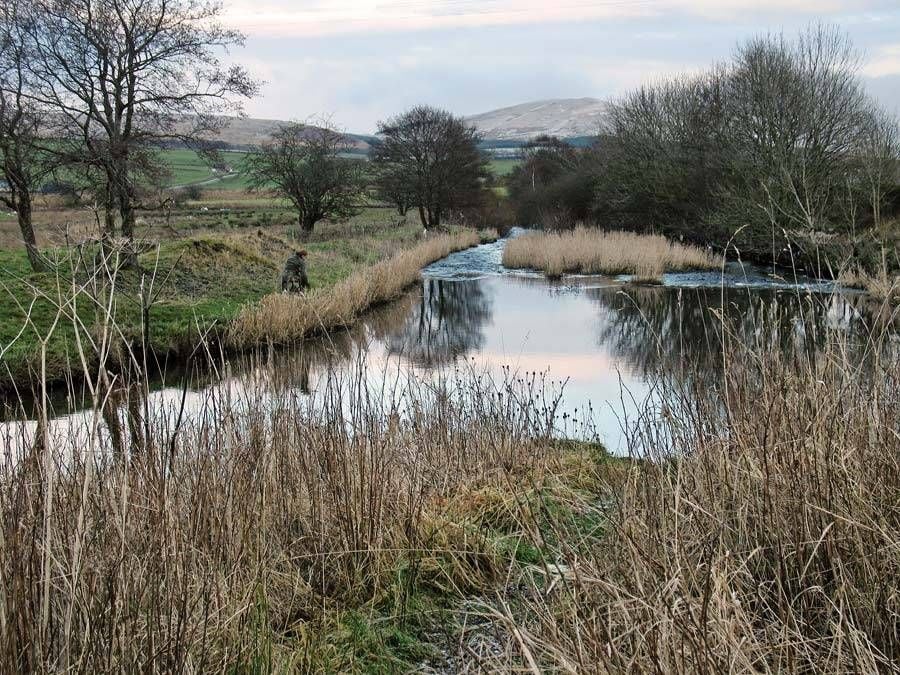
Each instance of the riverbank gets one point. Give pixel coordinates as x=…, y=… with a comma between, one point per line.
x=271, y=534
x=278, y=318
x=881, y=286
x=592, y=251
x=192, y=288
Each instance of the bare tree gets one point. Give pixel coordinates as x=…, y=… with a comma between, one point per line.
x=121, y=76
x=879, y=155
x=768, y=151
x=797, y=111
x=23, y=163
x=436, y=155
x=304, y=164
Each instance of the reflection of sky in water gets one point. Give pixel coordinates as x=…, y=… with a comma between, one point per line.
x=600, y=340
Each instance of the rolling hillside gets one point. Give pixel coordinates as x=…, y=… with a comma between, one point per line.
x=566, y=118
x=244, y=132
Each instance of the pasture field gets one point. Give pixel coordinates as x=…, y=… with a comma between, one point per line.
x=189, y=168
x=503, y=167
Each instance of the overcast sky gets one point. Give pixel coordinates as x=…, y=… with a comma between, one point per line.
x=361, y=61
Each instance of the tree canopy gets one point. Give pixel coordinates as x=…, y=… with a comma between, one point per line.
x=304, y=164
x=435, y=156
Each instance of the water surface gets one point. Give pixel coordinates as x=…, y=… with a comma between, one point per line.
x=597, y=344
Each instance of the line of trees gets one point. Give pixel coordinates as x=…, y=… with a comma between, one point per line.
x=91, y=88
x=425, y=159
x=778, y=148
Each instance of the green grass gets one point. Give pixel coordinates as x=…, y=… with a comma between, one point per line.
x=188, y=167
x=208, y=278
x=503, y=167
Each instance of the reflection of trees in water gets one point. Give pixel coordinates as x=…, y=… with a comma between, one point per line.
x=681, y=330
x=447, y=323
x=442, y=322
x=387, y=319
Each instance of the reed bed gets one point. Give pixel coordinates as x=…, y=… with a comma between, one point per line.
x=284, y=318
x=591, y=251
x=219, y=542
x=759, y=531
x=441, y=524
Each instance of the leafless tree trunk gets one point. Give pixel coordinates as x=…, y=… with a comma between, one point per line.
x=22, y=163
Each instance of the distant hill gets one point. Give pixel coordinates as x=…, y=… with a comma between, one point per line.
x=242, y=133
x=563, y=117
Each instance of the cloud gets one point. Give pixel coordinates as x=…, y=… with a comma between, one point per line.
x=365, y=76
x=315, y=18
x=885, y=61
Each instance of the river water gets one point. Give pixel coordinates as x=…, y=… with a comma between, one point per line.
x=598, y=345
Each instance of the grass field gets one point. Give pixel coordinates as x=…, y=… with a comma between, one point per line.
x=188, y=168
x=503, y=167
x=211, y=261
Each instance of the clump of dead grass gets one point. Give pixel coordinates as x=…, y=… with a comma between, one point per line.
x=591, y=251
x=219, y=542
x=881, y=285
x=283, y=318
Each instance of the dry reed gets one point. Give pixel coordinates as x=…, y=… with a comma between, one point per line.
x=881, y=286
x=759, y=531
x=590, y=251
x=283, y=318
x=224, y=539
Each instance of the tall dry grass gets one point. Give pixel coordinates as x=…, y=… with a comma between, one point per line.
x=282, y=318
x=756, y=529
x=758, y=532
x=591, y=251
x=881, y=285
x=222, y=539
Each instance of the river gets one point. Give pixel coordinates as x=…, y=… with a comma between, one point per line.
x=595, y=346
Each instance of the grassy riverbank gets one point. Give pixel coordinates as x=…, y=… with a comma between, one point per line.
x=592, y=251
x=195, y=284
x=759, y=532
x=882, y=286
x=280, y=318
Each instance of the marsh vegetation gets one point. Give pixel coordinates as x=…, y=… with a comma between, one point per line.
x=320, y=511
x=592, y=251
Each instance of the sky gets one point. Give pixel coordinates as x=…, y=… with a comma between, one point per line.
x=361, y=61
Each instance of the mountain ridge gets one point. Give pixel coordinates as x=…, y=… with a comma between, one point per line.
x=562, y=117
